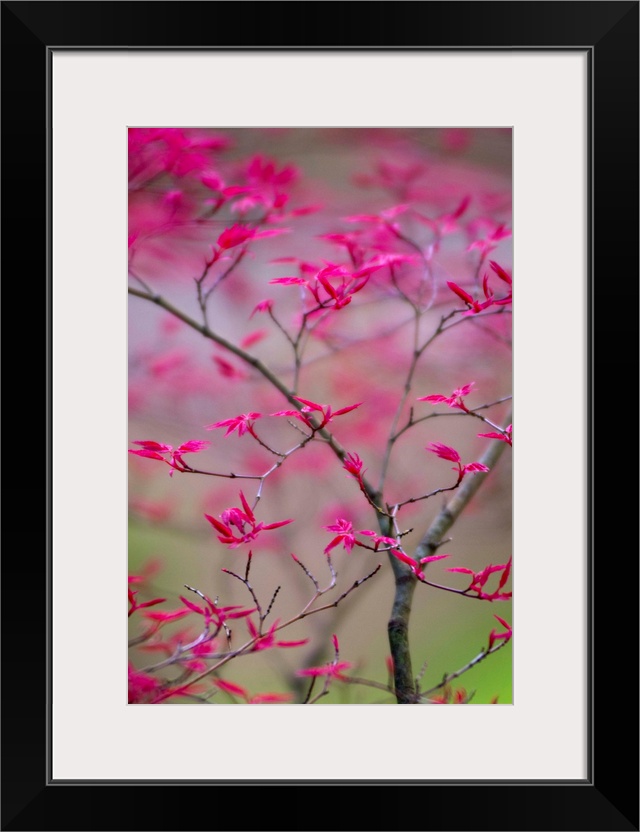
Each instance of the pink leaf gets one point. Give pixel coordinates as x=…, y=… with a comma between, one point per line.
x=436, y=399
x=230, y=687
x=193, y=607
x=465, y=296
x=153, y=446
x=234, y=236
x=218, y=525
x=253, y=338
x=169, y=615
x=268, y=698
x=433, y=558
x=443, y=451
x=148, y=454
x=194, y=446
x=474, y=467
x=502, y=274
x=312, y=405
x=277, y=525
x=347, y=409
x=247, y=507
x=290, y=281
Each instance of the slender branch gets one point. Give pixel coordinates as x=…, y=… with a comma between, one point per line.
x=452, y=510
x=250, y=588
x=282, y=329
x=133, y=642
x=417, y=354
x=252, y=361
x=225, y=274
x=464, y=592
x=478, y=317
x=403, y=398
x=449, y=677
x=425, y=496
x=306, y=612
x=253, y=433
x=356, y=680
x=204, y=330
x=473, y=411
x=143, y=283
x=187, y=469
x=323, y=692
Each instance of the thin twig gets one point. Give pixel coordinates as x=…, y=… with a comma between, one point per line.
x=449, y=677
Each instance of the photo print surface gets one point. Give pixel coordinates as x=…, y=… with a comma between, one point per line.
x=320, y=416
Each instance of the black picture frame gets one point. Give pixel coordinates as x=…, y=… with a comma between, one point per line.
x=608, y=798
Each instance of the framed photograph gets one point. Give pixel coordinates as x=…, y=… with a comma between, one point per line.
x=545, y=97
